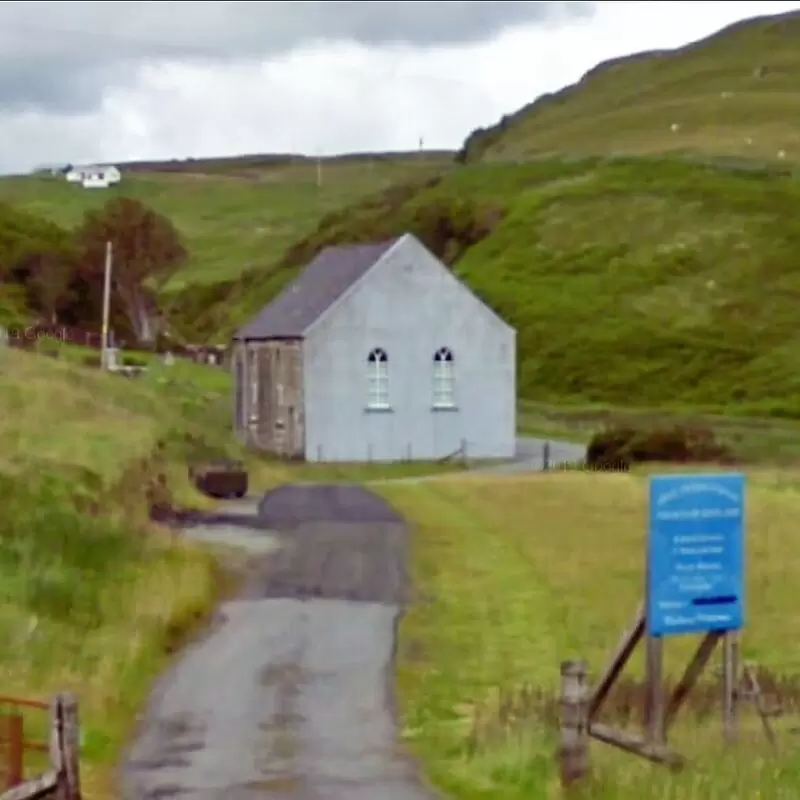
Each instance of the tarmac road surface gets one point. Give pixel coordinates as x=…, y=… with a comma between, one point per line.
x=289, y=697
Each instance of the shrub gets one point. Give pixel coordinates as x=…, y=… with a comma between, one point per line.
x=133, y=361
x=625, y=445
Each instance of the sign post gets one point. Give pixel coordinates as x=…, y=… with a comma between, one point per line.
x=695, y=580
x=694, y=585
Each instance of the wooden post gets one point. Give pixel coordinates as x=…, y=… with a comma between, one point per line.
x=65, y=746
x=654, y=701
x=573, y=752
x=70, y=743
x=15, y=743
x=56, y=756
x=690, y=676
x=730, y=686
x=546, y=457
x=620, y=658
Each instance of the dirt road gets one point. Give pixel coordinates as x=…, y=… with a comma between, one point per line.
x=289, y=696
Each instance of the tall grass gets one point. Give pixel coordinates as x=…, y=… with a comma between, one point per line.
x=522, y=573
x=92, y=597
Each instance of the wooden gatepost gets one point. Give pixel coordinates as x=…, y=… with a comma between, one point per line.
x=694, y=585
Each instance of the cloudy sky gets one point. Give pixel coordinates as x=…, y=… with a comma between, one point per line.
x=85, y=81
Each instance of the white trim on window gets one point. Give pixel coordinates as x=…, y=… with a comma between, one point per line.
x=378, y=379
x=240, y=391
x=444, y=395
x=252, y=378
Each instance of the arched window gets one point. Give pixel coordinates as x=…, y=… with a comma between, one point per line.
x=378, y=379
x=443, y=378
x=255, y=394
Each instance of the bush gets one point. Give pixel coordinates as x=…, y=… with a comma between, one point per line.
x=624, y=445
x=133, y=361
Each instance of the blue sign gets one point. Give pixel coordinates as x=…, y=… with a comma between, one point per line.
x=695, y=554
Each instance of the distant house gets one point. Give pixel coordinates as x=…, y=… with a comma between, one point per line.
x=94, y=177
x=376, y=353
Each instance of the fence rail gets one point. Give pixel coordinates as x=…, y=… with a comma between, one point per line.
x=62, y=779
x=28, y=337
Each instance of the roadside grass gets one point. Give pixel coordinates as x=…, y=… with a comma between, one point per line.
x=92, y=597
x=231, y=221
x=733, y=94
x=266, y=473
x=521, y=573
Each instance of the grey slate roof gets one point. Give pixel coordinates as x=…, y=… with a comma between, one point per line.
x=314, y=291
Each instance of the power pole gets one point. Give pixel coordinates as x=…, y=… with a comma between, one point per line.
x=106, y=307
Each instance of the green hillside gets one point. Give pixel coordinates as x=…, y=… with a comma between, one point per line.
x=735, y=94
x=234, y=213
x=667, y=276
x=635, y=282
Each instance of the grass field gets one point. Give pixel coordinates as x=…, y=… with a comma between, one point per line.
x=733, y=95
x=522, y=573
x=232, y=220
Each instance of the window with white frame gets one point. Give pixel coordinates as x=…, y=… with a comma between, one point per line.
x=378, y=379
x=240, y=391
x=443, y=378
x=253, y=379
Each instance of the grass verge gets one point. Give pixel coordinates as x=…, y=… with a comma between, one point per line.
x=522, y=573
x=92, y=597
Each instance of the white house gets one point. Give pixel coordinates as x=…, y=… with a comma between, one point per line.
x=95, y=176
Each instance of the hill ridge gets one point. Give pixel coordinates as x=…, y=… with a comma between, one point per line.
x=482, y=141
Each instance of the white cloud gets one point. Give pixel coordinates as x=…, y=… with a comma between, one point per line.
x=345, y=97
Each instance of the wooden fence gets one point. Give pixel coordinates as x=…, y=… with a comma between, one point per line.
x=62, y=779
x=30, y=336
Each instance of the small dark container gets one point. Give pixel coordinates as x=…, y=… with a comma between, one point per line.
x=220, y=479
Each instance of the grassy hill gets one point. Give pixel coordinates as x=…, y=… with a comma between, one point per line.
x=735, y=94
x=665, y=276
x=235, y=213
x=647, y=282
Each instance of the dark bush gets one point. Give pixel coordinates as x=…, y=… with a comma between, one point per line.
x=681, y=444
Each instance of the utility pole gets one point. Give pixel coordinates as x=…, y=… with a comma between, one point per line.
x=106, y=307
